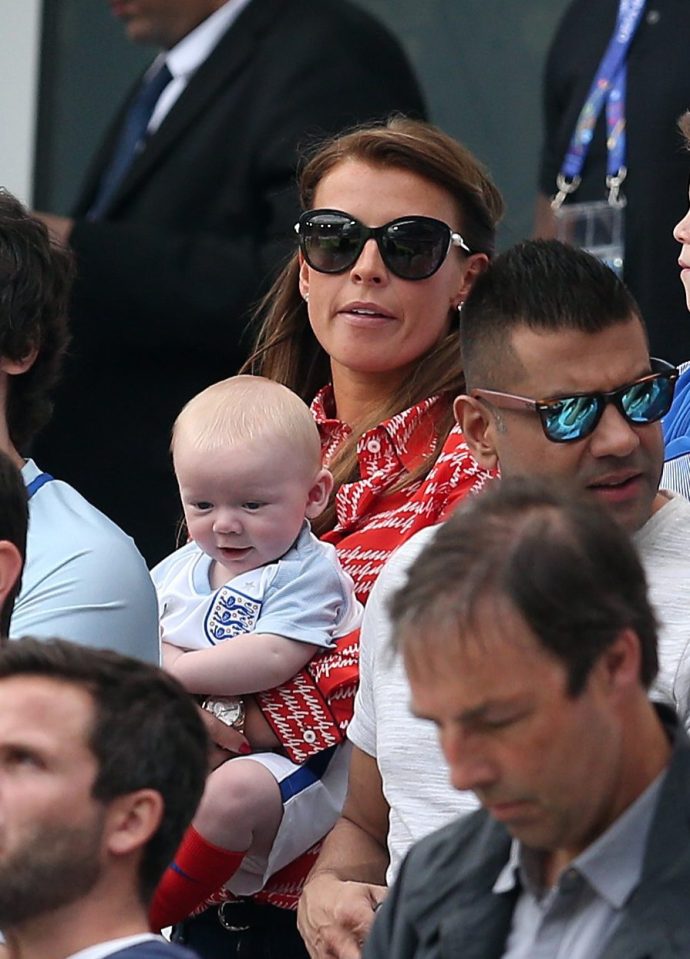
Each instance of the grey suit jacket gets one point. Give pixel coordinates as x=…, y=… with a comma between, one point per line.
x=442, y=905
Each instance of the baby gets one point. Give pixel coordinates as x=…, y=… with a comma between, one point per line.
x=244, y=606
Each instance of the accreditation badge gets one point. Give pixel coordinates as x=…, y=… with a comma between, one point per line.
x=598, y=228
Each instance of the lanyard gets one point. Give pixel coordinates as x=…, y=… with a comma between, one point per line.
x=609, y=87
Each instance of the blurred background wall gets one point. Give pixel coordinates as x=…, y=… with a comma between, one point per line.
x=479, y=62
x=20, y=36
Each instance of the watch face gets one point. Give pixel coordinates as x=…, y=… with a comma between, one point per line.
x=229, y=710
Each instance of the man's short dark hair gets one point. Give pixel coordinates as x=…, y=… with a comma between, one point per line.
x=543, y=285
x=147, y=734
x=562, y=563
x=14, y=519
x=35, y=284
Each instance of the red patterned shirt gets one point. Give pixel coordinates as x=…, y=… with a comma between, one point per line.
x=371, y=523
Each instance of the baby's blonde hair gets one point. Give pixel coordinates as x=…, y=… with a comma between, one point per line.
x=246, y=408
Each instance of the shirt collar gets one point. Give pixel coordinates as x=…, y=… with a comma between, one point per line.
x=29, y=471
x=612, y=865
x=323, y=408
x=409, y=442
x=192, y=50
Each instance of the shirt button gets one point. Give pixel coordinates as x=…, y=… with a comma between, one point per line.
x=309, y=736
x=374, y=446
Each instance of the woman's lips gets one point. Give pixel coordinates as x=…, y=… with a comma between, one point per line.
x=366, y=315
x=367, y=309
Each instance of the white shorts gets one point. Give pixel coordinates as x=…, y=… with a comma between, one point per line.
x=312, y=802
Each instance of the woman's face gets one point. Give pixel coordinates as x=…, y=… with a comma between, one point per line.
x=373, y=324
x=682, y=233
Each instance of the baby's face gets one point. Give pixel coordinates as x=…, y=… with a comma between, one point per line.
x=244, y=505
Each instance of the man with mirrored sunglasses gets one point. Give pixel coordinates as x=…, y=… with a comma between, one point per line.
x=559, y=384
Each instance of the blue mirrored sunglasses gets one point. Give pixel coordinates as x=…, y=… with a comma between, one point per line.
x=566, y=419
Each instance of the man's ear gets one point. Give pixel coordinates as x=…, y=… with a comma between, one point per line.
x=478, y=428
x=620, y=663
x=16, y=367
x=318, y=494
x=131, y=820
x=476, y=264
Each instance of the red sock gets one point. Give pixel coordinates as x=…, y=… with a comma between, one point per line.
x=199, y=868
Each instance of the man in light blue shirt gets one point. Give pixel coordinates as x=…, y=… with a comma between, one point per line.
x=84, y=579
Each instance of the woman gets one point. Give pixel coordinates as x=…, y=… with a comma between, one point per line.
x=363, y=323
x=676, y=475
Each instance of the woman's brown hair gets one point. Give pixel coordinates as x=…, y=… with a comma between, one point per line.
x=286, y=349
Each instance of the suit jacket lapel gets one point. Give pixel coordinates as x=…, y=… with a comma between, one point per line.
x=234, y=50
x=478, y=927
x=465, y=919
x=650, y=926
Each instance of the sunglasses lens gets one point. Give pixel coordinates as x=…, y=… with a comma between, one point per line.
x=415, y=249
x=412, y=248
x=648, y=402
x=571, y=418
x=330, y=242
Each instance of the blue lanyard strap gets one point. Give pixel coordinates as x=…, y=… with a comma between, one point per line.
x=36, y=483
x=608, y=87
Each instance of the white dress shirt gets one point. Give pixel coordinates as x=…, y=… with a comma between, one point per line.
x=187, y=56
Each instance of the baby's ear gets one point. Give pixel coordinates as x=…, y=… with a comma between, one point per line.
x=318, y=495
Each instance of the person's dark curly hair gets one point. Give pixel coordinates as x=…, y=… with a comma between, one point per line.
x=35, y=283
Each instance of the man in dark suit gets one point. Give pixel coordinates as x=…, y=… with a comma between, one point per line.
x=175, y=245
x=103, y=762
x=529, y=640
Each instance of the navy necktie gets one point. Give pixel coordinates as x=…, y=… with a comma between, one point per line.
x=131, y=139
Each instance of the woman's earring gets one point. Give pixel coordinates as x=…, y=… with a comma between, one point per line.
x=459, y=307
x=305, y=297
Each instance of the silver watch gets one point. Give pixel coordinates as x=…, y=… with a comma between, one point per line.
x=229, y=709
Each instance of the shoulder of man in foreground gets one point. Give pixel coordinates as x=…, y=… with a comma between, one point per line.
x=662, y=545
x=454, y=866
x=444, y=887
x=84, y=578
